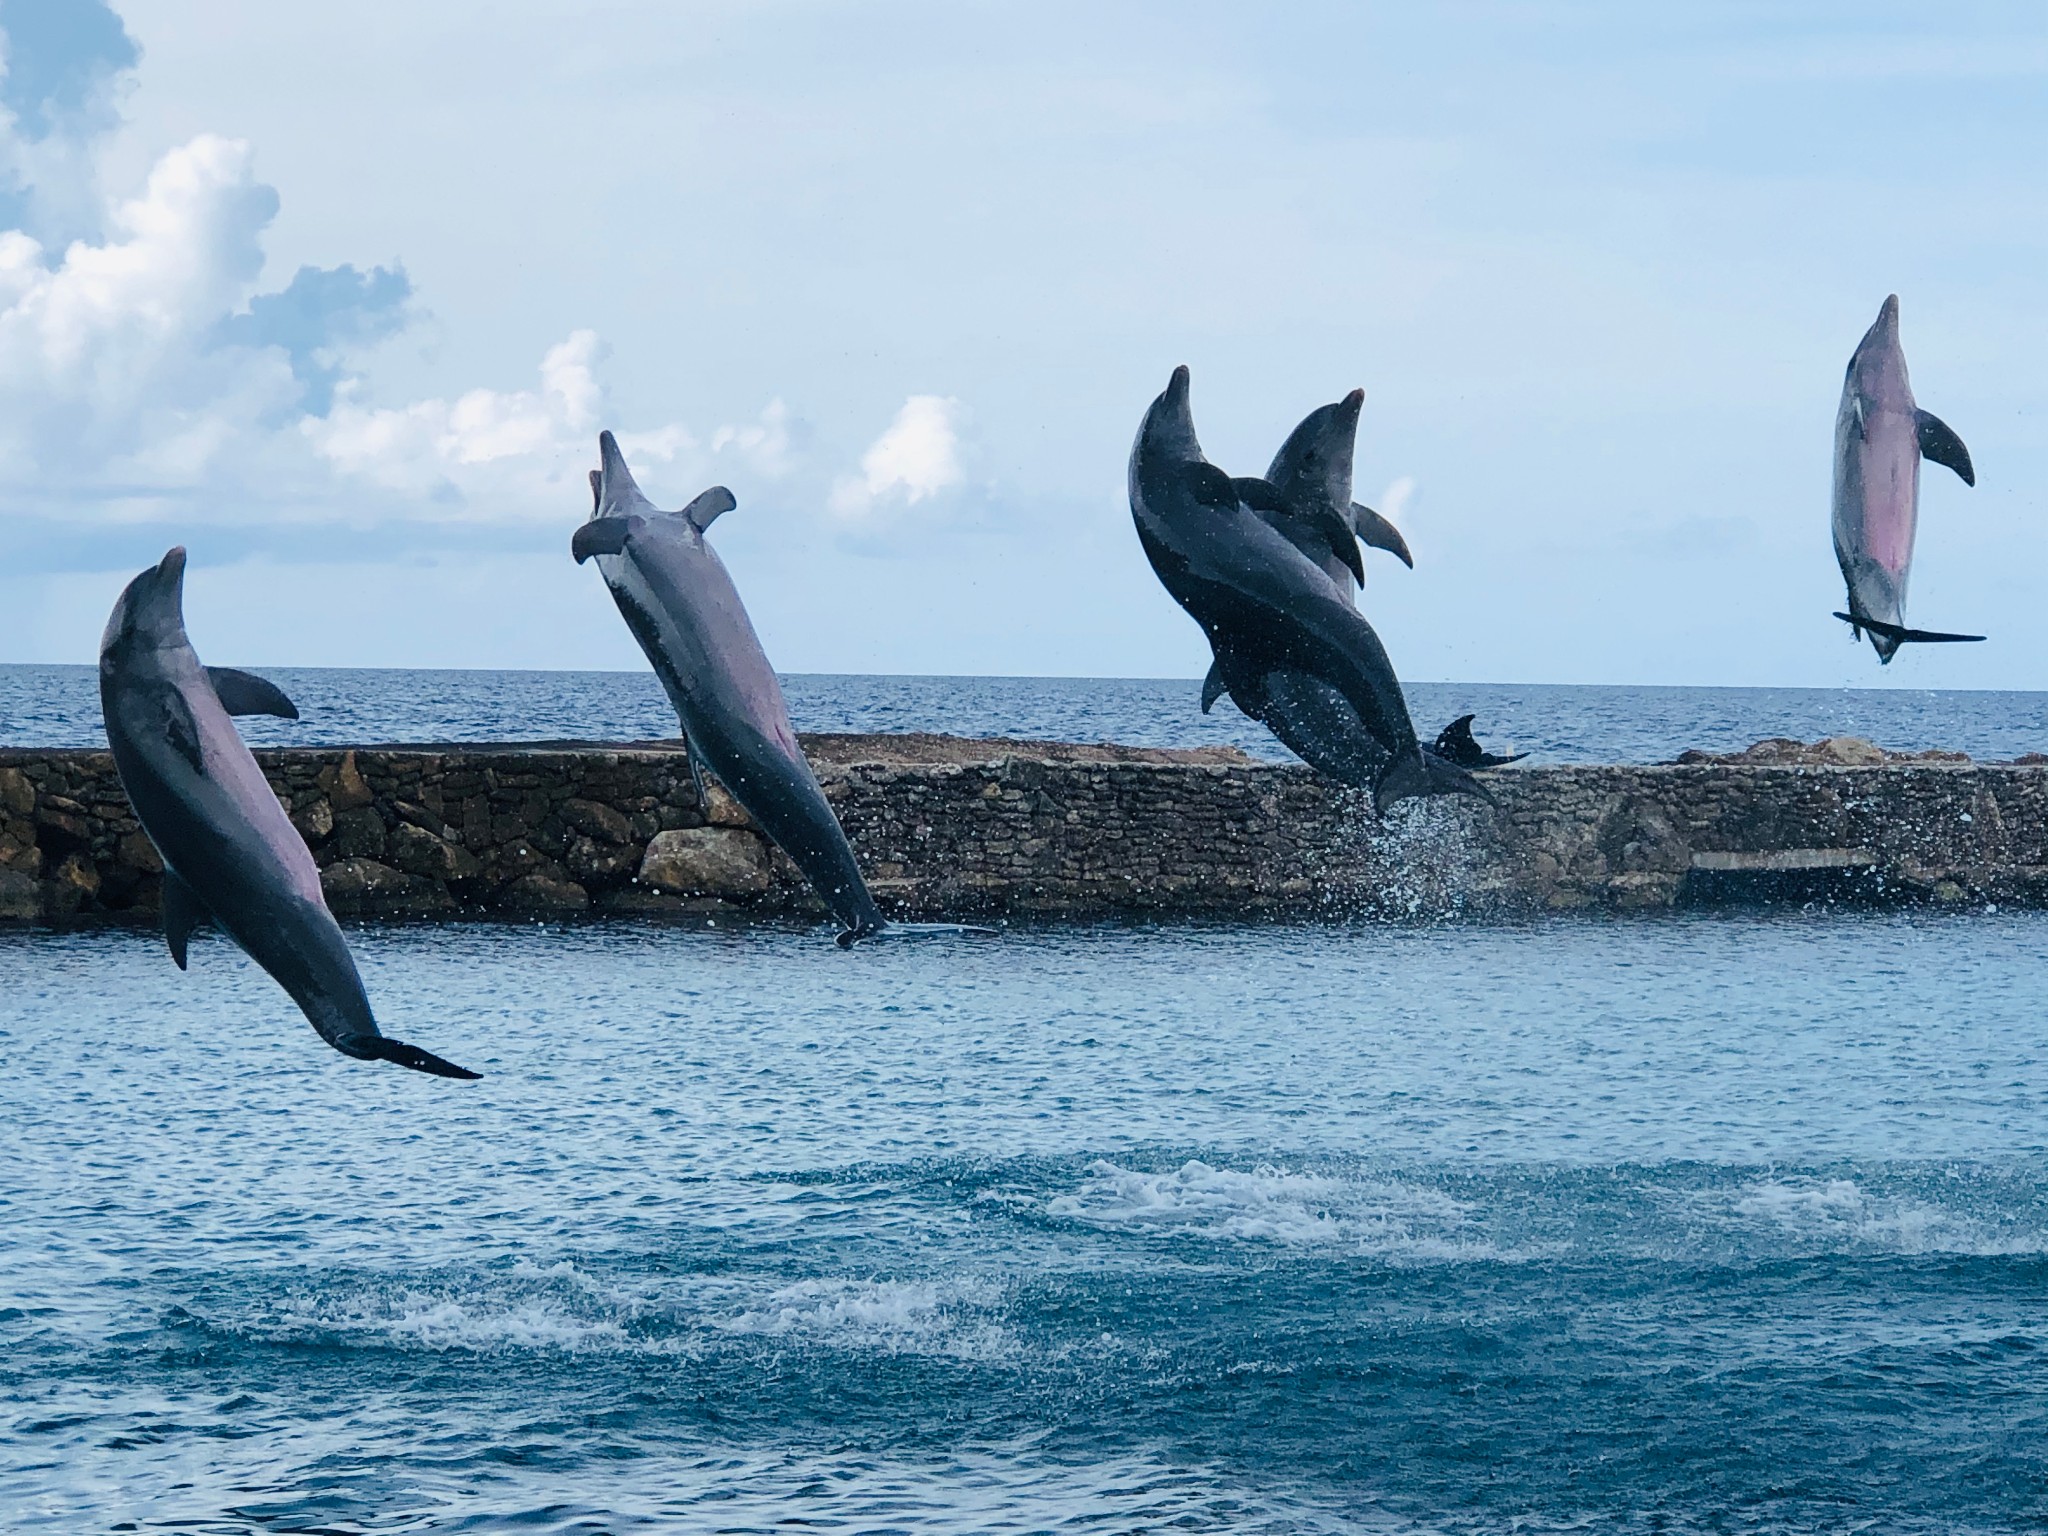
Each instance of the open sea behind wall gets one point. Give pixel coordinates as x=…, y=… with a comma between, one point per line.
x=44, y=706
x=1705, y=1222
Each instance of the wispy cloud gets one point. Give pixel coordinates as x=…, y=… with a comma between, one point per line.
x=916, y=458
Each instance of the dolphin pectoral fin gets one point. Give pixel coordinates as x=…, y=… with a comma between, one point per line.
x=183, y=912
x=1902, y=635
x=1343, y=542
x=596, y=493
x=384, y=1048
x=1213, y=687
x=702, y=512
x=1376, y=532
x=244, y=693
x=603, y=536
x=1939, y=443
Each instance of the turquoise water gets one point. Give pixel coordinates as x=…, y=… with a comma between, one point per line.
x=1699, y=1222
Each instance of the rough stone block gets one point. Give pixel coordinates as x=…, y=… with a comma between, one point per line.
x=21, y=895
x=707, y=861
x=16, y=793
x=315, y=821
x=353, y=882
x=136, y=851
x=597, y=821
x=358, y=834
x=345, y=785
x=542, y=892
x=418, y=851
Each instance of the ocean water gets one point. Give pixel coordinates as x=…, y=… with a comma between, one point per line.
x=1705, y=1222
x=59, y=707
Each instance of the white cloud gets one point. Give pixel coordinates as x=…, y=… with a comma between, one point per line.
x=764, y=444
x=105, y=362
x=917, y=457
x=485, y=439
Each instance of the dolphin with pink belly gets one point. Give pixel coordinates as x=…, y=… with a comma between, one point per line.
x=229, y=850
x=1880, y=438
x=681, y=605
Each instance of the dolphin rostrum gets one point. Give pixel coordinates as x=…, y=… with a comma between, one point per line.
x=682, y=607
x=229, y=850
x=1880, y=438
x=1269, y=610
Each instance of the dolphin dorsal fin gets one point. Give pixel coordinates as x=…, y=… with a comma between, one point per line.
x=702, y=512
x=1940, y=445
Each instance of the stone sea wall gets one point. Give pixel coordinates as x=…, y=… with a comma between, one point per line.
x=959, y=828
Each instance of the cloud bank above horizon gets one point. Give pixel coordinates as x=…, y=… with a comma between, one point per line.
x=341, y=303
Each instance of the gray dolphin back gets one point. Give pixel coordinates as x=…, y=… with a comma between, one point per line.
x=682, y=607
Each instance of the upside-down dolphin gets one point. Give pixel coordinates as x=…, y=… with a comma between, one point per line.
x=1455, y=743
x=1269, y=610
x=1306, y=495
x=682, y=607
x=229, y=850
x=1880, y=438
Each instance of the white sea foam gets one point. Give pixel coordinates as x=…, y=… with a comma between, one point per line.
x=552, y=1307
x=1842, y=1213
x=912, y=1317
x=1268, y=1204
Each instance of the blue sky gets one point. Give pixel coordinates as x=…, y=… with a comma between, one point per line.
x=339, y=297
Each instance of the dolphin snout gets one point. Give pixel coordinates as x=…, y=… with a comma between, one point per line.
x=172, y=566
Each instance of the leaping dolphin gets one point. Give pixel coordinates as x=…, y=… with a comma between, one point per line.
x=228, y=848
x=1267, y=608
x=1306, y=495
x=682, y=607
x=1880, y=438
x=1455, y=743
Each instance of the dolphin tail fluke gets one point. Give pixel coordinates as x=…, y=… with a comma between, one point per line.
x=1898, y=634
x=1420, y=774
x=384, y=1048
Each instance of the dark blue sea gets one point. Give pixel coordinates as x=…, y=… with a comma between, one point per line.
x=59, y=706
x=1703, y=1222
